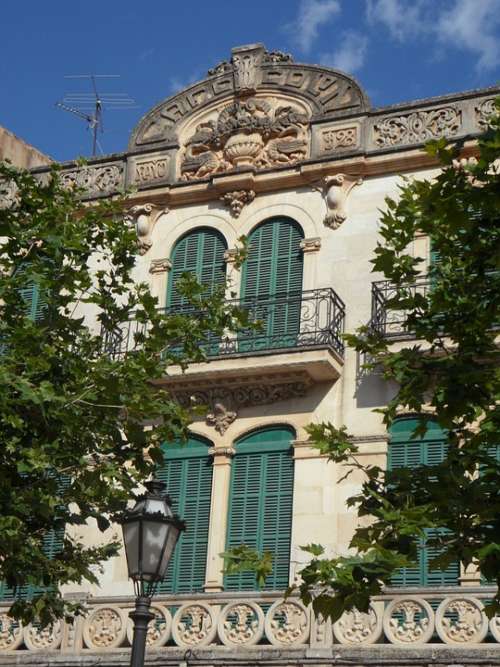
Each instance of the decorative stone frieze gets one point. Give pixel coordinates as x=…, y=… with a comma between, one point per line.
x=144, y=217
x=461, y=620
x=160, y=265
x=484, y=110
x=251, y=132
x=356, y=627
x=237, y=199
x=337, y=138
x=95, y=180
x=287, y=623
x=105, y=627
x=418, y=126
x=337, y=189
x=310, y=245
x=151, y=169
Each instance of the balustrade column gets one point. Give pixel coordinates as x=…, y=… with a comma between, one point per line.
x=214, y=580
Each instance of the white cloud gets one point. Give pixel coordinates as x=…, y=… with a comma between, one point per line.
x=471, y=24
x=351, y=54
x=312, y=15
x=177, y=84
x=401, y=18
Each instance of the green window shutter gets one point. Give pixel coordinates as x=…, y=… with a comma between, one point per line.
x=200, y=252
x=430, y=450
x=35, y=298
x=188, y=475
x=260, y=504
x=272, y=281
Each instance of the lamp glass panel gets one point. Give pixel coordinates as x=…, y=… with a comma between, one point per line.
x=172, y=537
x=131, y=532
x=155, y=507
x=153, y=540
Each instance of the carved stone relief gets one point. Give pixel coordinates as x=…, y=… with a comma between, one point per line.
x=419, y=126
x=237, y=199
x=310, y=245
x=221, y=418
x=356, y=627
x=11, y=633
x=153, y=169
x=246, y=133
x=287, y=623
x=484, y=111
x=337, y=190
x=241, y=624
x=95, y=180
x=144, y=217
x=461, y=620
x=8, y=194
x=334, y=139
x=194, y=625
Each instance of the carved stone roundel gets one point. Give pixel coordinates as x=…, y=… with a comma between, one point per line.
x=241, y=624
x=408, y=620
x=461, y=620
x=356, y=627
x=159, y=628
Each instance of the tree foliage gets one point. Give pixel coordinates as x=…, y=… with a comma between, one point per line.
x=73, y=442
x=449, y=373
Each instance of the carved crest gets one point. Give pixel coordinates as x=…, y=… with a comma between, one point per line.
x=246, y=133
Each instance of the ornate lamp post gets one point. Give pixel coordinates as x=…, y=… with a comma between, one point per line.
x=150, y=533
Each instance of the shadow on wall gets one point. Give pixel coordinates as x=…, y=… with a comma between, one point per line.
x=371, y=389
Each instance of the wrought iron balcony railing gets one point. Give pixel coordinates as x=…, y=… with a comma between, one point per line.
x=309, y=319
x=388, y=321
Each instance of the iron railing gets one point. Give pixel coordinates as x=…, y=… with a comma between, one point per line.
x=390, y=322
x=309, y=319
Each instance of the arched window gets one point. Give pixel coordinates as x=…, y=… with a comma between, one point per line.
x=272, y=283
x=260, y=503
x=405, y=451
x=187, y=473
x=200, y=252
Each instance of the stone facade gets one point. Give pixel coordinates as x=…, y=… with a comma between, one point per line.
x=262, y=137
x=19, y=153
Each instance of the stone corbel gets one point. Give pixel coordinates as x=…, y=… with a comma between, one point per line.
x=310, y=245
x=160, y=265
x=237, y=199
x=221, y=418
x=144, y=217
x=337, y=189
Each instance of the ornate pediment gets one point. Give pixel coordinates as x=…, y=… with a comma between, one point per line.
x=250, y=132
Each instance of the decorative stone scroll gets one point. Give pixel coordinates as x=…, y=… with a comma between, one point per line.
x=105, y=627
x=484, y=111
x=461, y=620
x=48, y=638
x=241, y=624
x=11, y=633
x=418, y=126
x=337, y=190
x=356, y=627
x=94, y=180
x=159, y=628
x=194, y=624
x=408, y=621
x=144, y=217
x=249, y=132
x=237, y=199
x=287, y=623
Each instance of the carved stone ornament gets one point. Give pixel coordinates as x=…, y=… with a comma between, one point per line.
x=310, y=245
x=241, y=624
x=105, y=627
x=221, y=418
x=194, y=624
x=246, y=133
x=334, y=139
x=144, y=217
x=484, y=111
x=160, y=265
x=408, y=621
x=287, y=623
x=417, y=127
x=8, y=193
x=94, y=180
x=356, y=627
x=11, y=633
x=48, y=638
x=337, y=190
x=237, y=199
x=159, y=628
x=461, y=620
x=153, y=169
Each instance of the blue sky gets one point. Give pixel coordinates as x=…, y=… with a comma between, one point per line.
x=398, y=50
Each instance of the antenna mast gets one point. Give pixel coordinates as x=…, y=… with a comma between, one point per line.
x=80, y=104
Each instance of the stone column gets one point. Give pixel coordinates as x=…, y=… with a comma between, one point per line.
x=159, y=269
x=309, y=247
x=218, y=517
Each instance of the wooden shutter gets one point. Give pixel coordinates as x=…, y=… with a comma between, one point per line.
x=34, y=297
x=407, y=452
x=200, y=252
x=272, y=280
x=260, y=504
x=188, y=475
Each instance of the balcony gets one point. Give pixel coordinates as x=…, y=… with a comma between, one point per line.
x=299, y=341
x=403, y=626
x=390, y=322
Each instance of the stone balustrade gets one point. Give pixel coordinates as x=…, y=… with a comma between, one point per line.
x=446, y=616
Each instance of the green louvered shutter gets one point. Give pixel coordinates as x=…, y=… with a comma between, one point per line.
x=272, y=283
x=36, y=301
x=405, y=452
x=188, y=475
x=200, y=252
x=260, y=503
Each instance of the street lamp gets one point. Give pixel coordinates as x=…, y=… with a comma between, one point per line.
x=150, y=533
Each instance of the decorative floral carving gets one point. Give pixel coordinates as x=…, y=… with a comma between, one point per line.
x=241, y=623
x=461, y=620
x=11, y=633
x=221, y=418
x=336, y=138
x=144, y=217
x=356, y=627
x=484, y=111
x=246, y=133
x=105, y=627
x=159, y=628
x=287, y=623
x=95, y=180
x=43, y=638
x=408, y=621
x=418, y=126
x=337, y=189
x=194, y=625
x=237, y=199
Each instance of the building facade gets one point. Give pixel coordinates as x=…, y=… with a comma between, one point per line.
x=294, y=158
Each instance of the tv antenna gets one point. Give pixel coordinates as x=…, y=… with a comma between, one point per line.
x=90, y=106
